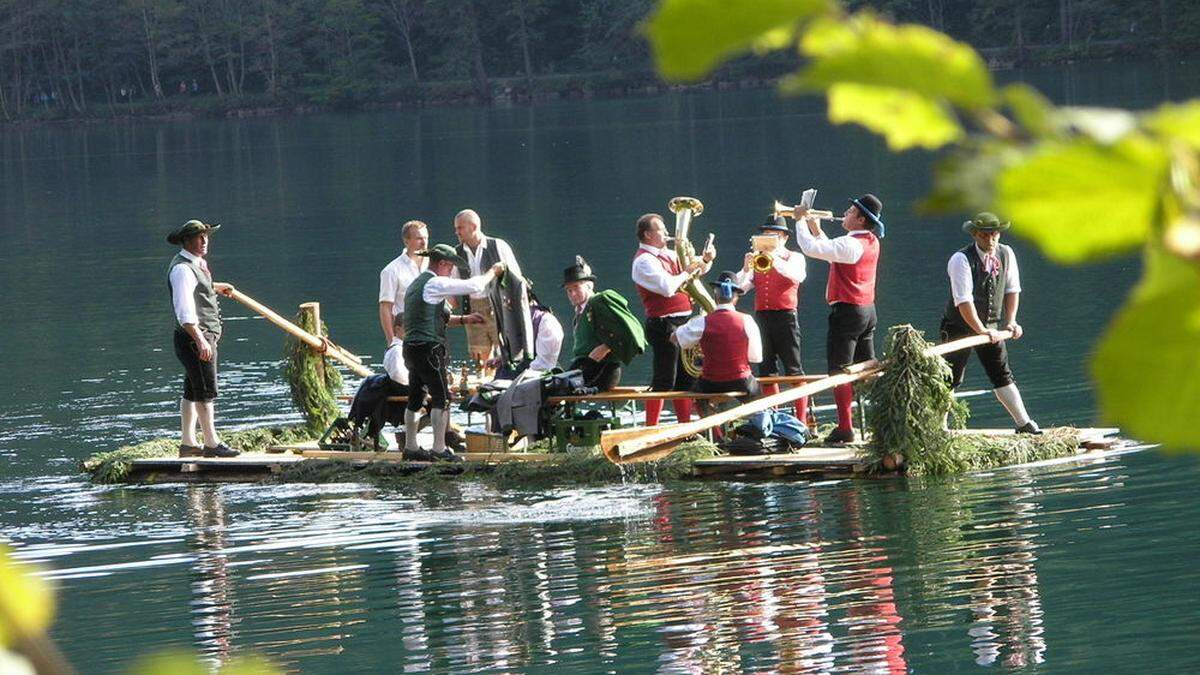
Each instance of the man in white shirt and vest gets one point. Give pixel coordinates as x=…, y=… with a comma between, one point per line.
x=850, y=293
x=729, y=339
x=659, y=277
x=426, y=315
x=548, y=338
x=197, y=332
x=509, y=332
x=985, y=291
x=399, y=273
x=776, y=299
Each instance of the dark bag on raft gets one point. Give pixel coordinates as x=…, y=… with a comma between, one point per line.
x=371, y=409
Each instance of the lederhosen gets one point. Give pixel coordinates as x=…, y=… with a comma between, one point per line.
x=988, y=292
x=425, y=346
x=199, y=377
x=775, y=301
x=667, y=371
x=852, y=319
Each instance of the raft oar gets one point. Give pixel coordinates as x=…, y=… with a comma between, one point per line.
x=319, y=344
x=643, y=444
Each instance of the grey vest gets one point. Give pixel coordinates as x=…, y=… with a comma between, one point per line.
x=423, y=322
x=208, y=311
x=987, y=290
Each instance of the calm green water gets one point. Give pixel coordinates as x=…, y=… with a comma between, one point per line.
x=1064, y=567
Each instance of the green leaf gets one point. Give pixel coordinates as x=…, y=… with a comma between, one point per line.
x=965, y=179
x=905, y=119
x=1177, y=122
x=26, y=601
x=690, y=38
x=1030, y=109
x=868, y=51
x=1146, y=370
x=184, y=663
x=1080, y=200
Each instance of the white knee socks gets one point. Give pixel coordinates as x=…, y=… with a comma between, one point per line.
x=187, y=422
x=412, y=424
x=439, y=417
x=206, y=412
x=1010, y=398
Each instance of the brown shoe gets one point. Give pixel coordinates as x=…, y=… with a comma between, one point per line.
x=190, y=450
x=221, y=450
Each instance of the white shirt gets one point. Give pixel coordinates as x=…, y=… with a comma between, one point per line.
x=793, y=267
x=393, y=362
x=650, y=273
x=549, y=343
x=505, y=253
x=689, y=334
x=846, y=249
x=183, y=289
x=959, y=269
x=396, y=277
x=441, y=288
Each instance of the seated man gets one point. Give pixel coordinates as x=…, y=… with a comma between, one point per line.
x=606, y=335
x=547, y=343
x=729, y=339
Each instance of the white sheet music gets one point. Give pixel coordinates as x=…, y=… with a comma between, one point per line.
x=809, y=196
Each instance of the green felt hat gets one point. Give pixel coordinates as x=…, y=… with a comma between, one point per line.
x=439, y=252
x=985, y=221
x=190, y=229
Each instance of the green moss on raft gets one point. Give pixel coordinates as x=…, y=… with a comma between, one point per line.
x=909, y=402
x=312, y=378
x=113, y=466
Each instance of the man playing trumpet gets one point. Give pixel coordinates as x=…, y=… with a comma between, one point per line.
x=776, y=274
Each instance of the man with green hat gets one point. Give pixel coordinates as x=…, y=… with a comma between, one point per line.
x=426, y=315
x=985, y=290
x=197, y=332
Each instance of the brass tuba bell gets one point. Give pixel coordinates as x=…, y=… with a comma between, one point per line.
x=685, y=208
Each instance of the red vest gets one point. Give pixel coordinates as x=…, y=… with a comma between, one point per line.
x=855, y=284
x=774, y=291
x=660, y=305
x=724, y=345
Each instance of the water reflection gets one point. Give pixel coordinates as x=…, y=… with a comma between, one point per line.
x=212, y=608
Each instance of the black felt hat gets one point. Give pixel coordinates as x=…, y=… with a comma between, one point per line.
x=870, y=206
x=726, y=280
x=580, y=271
x=190, y=229
x=775, y=224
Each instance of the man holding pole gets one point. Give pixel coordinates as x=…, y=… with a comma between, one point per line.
x=426, y=315
x=985, y=290
x=197, y=332
x=659, y=278
x=850, y=292
x=395, y=278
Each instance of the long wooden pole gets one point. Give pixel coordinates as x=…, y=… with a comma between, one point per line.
x=641, y=444
x=319, y=344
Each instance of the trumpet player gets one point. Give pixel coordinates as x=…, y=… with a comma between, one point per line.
x=776, y=277
x=850, y=292
x=659, y=276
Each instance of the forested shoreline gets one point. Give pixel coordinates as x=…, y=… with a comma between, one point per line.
x=81, y=59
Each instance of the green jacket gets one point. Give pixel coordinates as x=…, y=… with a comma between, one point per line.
x=607, y=320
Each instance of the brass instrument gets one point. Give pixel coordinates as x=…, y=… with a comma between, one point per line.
x=782, y=209
x=686, y=208
x=763, y=246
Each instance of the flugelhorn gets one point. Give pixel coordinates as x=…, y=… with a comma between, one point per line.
x=786, y=211
x=763, y=245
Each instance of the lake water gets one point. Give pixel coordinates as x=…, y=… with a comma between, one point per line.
x=1063, y=567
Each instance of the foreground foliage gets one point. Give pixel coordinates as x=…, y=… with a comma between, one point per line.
x=905, y=418
x=113, y=466
x=1081, y=183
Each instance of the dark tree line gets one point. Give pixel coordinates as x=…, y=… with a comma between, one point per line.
x=93, y=57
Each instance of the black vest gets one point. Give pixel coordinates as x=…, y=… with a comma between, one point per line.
x=987, y=290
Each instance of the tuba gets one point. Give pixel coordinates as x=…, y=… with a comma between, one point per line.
x=686, y=208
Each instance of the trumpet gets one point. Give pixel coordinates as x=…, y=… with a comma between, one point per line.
x=781, y=209
x=763, y=245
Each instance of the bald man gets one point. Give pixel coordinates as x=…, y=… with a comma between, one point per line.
x=505, y=308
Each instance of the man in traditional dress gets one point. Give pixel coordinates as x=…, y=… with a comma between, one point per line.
x=399, y=273
x=426, y=315
x=730, y=340
x=605, y=334
x=850, y=293
x=985, y=290
x=197, y=332
x=508, y=327
x=548, y=338
x=659, y=278
x=776, y=298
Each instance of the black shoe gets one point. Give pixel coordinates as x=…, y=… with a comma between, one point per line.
x=455, y=441
x=418, y=455
x=446, y=455
x=190, y=450
x=839, y=436
x=1030, y=427
x=221, y=450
